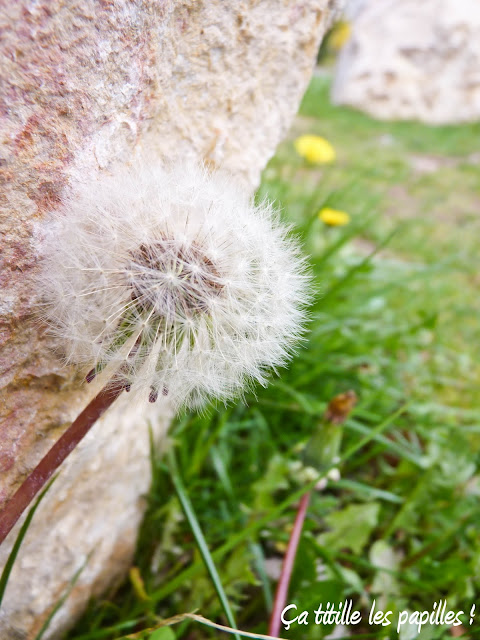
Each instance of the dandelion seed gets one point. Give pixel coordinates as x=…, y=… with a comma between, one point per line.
x=315, y=149
x=174, y=283
x=334, y=217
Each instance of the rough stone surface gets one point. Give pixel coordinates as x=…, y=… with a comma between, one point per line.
x=412, y=60
x=84, y=85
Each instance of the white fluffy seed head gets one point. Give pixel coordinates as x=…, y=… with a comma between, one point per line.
x=174, y=282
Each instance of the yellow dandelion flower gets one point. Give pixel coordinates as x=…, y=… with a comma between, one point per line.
x=315, y=149
x=339, y=35
x=333, y=217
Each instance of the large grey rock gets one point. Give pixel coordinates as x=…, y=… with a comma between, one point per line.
x=84, y=86
x=412, y=60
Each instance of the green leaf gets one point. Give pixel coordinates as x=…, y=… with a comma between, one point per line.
x=351, y=527
x=387, y=561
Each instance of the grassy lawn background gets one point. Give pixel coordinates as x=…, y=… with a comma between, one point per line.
x=400, y=328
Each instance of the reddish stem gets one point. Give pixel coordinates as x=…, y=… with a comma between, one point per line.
x=54, y=458
x=287, y=567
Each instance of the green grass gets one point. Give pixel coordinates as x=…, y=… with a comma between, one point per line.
x=400, y=329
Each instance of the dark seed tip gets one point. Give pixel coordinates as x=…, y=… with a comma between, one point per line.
x=153, y=395
x=90, y=375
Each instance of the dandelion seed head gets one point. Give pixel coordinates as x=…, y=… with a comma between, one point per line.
x=174, y=281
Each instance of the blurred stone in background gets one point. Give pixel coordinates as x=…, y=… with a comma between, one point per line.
x=412, y=60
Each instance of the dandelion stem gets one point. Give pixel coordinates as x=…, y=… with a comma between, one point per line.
x=54, y=458
x=287, y=566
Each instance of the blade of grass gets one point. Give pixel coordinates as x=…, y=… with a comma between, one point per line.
x=440, y=538
x=303, y=400
x=255, y=548
x=423, y=481
x=370, y=492
x=373, y=434
x=391, y=445
x=61, y=601
x=200, y=540
x=202, y=452
x=18, y=542
x=357, y=267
